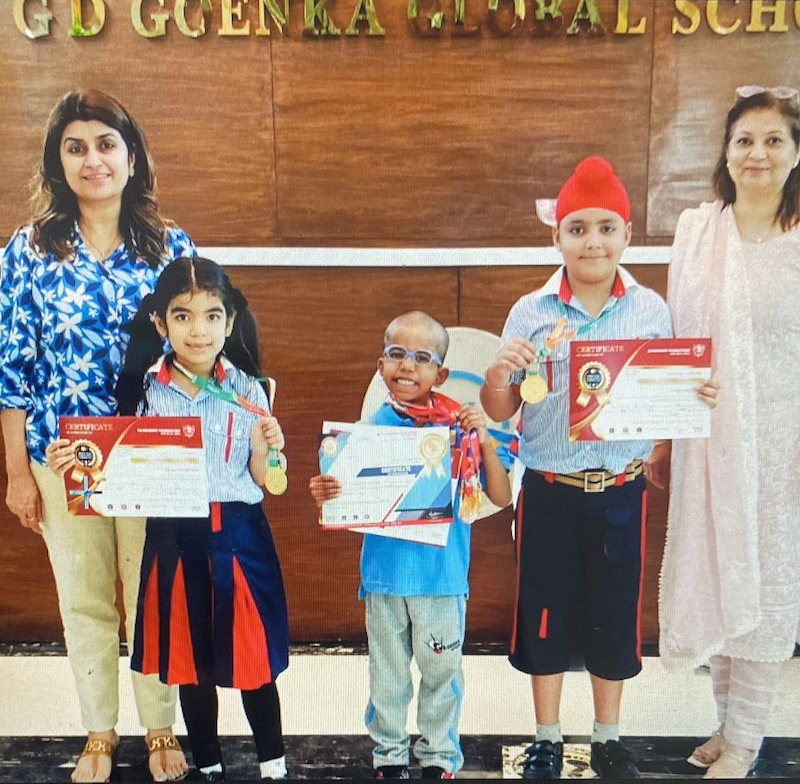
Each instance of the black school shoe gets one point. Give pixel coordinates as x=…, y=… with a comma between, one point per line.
x=392, y=772
x=544, y=760
x=611, y=760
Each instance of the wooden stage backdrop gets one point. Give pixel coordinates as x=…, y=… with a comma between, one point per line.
x=414, y=138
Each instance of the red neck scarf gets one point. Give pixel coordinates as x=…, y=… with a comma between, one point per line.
x=440, y=410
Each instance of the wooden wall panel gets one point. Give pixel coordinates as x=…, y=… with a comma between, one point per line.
x=28, y=602
x=323, y=355
x=448, y=142
x=322, y=332
x=376, y=141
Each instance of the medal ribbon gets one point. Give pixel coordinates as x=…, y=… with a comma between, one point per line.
x=442, y=410
x=213, y=387
x=584, y=328
x=560, y=333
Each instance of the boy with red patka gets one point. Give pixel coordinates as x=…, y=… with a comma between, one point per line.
x=581, y=512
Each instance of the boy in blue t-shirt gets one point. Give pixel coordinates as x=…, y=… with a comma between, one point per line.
x=416, y=593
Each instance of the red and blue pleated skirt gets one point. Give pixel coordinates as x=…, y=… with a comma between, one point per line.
x=212, y=607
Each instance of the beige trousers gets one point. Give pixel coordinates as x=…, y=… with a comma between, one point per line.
x=87, y=555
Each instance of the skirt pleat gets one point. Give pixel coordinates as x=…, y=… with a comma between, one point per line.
x=212, y=606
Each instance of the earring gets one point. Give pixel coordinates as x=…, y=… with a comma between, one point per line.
x=131, y=171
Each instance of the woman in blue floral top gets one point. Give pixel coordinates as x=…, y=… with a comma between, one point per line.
x=70, y=282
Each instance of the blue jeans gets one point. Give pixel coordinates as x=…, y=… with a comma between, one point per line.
x=431, y=629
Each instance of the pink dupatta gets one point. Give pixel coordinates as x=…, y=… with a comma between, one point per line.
x=710, y=577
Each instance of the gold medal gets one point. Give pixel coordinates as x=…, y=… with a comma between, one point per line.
x=275, y=480
x=533, y=388
x=468, y=511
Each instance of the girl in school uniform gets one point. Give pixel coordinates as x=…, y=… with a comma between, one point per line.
x=212, y=608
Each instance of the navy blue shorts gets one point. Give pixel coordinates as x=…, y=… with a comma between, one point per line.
x=579, y=572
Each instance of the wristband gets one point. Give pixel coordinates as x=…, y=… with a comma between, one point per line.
x=501, y=389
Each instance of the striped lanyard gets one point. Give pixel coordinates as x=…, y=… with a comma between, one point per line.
x=534, y=388
x=275, y=480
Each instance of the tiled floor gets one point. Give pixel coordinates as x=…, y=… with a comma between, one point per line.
x=323, y=697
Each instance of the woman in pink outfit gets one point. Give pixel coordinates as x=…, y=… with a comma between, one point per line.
x=730, y=582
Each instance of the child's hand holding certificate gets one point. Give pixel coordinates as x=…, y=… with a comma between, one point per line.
x=388, y=475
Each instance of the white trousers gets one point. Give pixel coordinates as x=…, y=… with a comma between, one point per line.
x=88, y=554
x=744, y=692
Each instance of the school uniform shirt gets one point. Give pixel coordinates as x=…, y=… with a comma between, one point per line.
x=62, y=329
x=632, y=312
x=212, y=605
x=226, y=426
x=396, y=567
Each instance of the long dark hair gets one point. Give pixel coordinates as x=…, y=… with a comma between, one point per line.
x=55, y=206
x=184, y=276
x=789, y=210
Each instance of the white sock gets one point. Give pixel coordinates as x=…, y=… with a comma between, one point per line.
x=273, y=769
x=601, y=733
x=551, y=732
x=212, y=768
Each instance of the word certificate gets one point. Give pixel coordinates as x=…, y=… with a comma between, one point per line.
x=136, y=467
x=622, y=390
x=390, y=477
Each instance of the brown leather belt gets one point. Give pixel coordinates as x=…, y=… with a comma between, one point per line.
x=596, y=481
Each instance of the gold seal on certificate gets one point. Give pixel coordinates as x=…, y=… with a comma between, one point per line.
x=533, y=388
x=88, y=455
x=329, y=446
x=593, y=380
x=433, y=448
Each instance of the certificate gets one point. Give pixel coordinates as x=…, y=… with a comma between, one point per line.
x=622, y=390
x=136, y=467
x=390, y=477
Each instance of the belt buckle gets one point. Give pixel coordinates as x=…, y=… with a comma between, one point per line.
x=597, y=480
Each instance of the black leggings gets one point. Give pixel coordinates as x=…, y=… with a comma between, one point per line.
x=200, y=710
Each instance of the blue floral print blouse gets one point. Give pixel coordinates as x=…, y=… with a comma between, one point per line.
x=62, y=341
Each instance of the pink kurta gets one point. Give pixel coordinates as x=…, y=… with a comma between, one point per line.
x=730, y=580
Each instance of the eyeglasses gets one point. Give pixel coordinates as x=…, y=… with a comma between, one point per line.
x=419, y=356
x=781, y=93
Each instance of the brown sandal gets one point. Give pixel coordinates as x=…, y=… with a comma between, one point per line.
x=162, y=743
x=100, y=748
